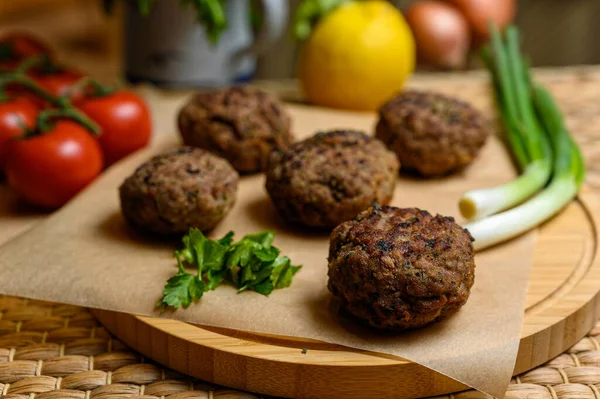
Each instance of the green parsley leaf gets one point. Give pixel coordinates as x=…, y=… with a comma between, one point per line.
x=264, y=238
x=210, y=255
x=267, y=254
x=215, y=277
x=283, y=271
x=252, y=278
x=181, y=289
x=264, y=288
x=227, y=239
x=285, y=279
x=239, y=254
x=203, y=252
x=280, y=267
x=249, y=264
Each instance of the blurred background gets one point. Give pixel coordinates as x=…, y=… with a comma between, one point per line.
x=555, y=33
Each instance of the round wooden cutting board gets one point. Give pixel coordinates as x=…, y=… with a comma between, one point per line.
x=562, y=306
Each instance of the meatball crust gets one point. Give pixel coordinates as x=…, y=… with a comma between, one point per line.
x=431, y=133
x=238, y=124
x=331, y=177
x=397, y=269
x=177, y=190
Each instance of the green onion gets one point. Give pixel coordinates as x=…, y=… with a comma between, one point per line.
x=540, y=129
x=529, y=145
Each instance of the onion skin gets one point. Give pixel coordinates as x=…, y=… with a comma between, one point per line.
x=480, y=13
x=442, y=33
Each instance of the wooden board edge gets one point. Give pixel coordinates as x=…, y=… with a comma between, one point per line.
x=294, y=380
x=544, y=345
x=178, y=352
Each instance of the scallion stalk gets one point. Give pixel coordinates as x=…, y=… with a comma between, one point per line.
x=480, y=203
x=568, y=161
x=516, y=221
x=563, y=155
x=528, y=144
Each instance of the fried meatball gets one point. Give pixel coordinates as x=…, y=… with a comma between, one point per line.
x=177, y=190
x=331, y=177
x=397, y=269
x=432, y=134
x=238, y=124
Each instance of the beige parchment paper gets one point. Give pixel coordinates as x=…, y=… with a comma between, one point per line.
x=15, y=216
x=85, y=254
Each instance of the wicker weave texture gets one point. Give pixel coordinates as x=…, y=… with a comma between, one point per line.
x=573, y=375
x=52, y=351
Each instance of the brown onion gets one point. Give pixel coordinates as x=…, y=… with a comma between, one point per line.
x=442, y=33
x=480, y=13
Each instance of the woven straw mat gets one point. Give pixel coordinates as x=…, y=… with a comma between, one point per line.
x=52, y=351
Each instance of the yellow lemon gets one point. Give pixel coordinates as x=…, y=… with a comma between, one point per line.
x=357, y=57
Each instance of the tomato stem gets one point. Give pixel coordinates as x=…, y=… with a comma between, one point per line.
x=95, y=89
x=79, y=86
x=30, y=62
x=47, y=67
x=27, y=132
x=20, y=79
x=65, y=109
x=45, y=119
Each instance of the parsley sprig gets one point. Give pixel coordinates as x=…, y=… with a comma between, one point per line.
x=249, y=264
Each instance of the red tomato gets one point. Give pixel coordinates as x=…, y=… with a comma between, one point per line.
x=16, y=47
x=125, y=122
x=14, y=114
x=9, y=63
x=24, y=45
x=50, y=168
x=56, y=82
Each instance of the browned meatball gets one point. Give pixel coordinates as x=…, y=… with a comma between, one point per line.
x=400, y=268
x=238, y=124
x=177, y=190
x=331, y=177
x=432, y=134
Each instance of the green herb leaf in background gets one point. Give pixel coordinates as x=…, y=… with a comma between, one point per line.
x=256, y=15
x=249, y=264
x=145, y=6
x=309, y=13
x=211, y=14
